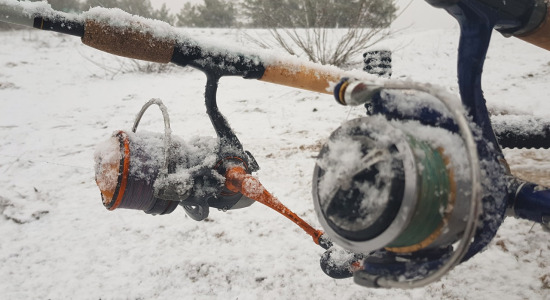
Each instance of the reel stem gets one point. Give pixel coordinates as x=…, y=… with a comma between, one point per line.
x=238, y=181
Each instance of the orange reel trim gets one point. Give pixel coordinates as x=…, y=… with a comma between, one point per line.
x=125, y=170
x=238, y=181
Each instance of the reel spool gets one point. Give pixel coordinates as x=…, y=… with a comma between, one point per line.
x=123, y=178
x=378, y=186
x=156, y=172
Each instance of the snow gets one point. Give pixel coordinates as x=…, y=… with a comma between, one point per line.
x=107, y=157
x=59, y=99
x=341, y=160
x=519, y=125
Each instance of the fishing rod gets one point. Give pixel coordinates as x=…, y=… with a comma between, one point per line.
x=134, y=37
x=405, y=206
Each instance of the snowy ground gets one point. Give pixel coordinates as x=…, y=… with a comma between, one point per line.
x=58, y=99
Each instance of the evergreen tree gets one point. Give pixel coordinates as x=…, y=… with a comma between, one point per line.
x=164, y=14
x=212, y=13
x=137, y=7
x=102, y=3
x=66, y=5
x=272, y=13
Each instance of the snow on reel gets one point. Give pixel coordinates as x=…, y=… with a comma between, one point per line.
x=380, y=184
x=156, y=172
x=398, y=183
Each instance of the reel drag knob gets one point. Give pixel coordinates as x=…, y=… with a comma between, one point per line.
x=126, y=169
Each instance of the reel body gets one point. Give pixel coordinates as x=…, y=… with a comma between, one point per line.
x=401, y=188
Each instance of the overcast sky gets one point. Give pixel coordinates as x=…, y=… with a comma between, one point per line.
x=418, y=14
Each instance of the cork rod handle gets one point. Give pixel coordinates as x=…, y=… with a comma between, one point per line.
x=128, y=42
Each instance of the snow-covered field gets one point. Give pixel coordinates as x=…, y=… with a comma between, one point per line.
x=58, y=99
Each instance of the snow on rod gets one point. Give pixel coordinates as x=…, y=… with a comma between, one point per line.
x=119, y=33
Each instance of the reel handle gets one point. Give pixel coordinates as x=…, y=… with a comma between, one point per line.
x=239, y=181
x=529, y=201
x=164, y=192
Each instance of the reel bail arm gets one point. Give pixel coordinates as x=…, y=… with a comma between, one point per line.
x=162, y=189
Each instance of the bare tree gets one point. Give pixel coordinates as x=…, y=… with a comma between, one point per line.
x=327, y=31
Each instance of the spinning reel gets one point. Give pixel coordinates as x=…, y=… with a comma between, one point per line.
x=398, y=189
x=156, y=173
